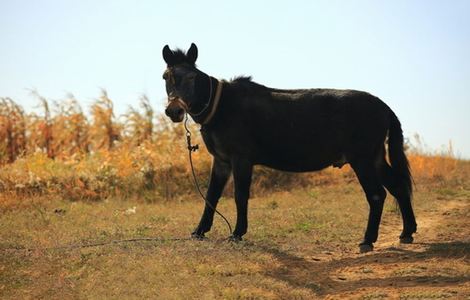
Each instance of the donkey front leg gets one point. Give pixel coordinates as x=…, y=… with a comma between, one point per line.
x=242, y=171
x=219, y=176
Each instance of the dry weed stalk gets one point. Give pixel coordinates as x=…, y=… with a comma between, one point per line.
x=41, y=129
x=12, y=130
x=139, y=125
x=70, y=128
x=104, y=130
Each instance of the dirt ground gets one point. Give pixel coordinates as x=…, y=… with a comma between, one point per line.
x=435, y=266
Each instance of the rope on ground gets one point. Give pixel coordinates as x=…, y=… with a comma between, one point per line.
x=95, y=244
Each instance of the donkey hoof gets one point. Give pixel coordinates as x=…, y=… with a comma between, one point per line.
x=198, y=236
x=235, y=238
x=364, y=247
x=406, y=239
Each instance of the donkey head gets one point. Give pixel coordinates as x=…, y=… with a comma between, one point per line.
x=185, y=84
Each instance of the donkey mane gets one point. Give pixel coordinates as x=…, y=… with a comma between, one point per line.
x=246, y=82
x=242, y=79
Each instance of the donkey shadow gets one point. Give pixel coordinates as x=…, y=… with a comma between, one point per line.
x=321, y=276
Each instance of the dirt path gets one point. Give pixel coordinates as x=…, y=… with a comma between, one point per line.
x=436, y=266
x=427, y=223
x=419, y=269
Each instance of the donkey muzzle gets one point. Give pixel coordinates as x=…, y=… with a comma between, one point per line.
x=176, y=109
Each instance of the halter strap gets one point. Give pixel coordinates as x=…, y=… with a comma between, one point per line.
x=215, y=103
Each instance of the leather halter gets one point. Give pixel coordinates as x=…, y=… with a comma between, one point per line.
x=214, y=102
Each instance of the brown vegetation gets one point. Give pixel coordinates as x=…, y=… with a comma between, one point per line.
x=63, y=151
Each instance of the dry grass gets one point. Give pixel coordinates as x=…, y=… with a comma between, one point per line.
x=301, y=244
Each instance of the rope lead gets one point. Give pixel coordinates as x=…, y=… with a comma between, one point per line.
x=191, y=149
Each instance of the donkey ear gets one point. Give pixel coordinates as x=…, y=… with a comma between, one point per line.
x=192, y=53
x=167, y=55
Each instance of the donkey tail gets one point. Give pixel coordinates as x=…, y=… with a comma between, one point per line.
x=396, y=153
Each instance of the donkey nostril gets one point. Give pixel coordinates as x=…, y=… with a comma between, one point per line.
x=180, y=111
x=167, y=112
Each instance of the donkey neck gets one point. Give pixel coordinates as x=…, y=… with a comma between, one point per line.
x=209, y=107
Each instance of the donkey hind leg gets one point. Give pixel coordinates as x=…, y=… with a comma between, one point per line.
x=219, y=175
x=367, y=173
x=399, y=190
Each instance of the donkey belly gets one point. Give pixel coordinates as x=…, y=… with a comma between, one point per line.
x=297, y=166
x=303, y=158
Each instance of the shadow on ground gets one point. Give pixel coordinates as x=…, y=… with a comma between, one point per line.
x=320, y=276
